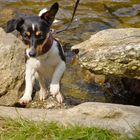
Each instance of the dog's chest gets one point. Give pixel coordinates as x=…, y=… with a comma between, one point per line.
x=45, y=64
x=50, y=59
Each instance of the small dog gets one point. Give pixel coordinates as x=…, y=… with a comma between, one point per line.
x=46, y=58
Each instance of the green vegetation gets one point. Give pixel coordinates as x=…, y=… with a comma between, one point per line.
x=29, y=130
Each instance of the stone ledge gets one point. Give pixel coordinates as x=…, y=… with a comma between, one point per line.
x=120, y=118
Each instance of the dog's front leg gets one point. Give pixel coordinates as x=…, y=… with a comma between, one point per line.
x=29, y=81
x=43, y=93
x=55, y=83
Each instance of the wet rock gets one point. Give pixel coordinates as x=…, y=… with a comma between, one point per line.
x=123, y=119
x=112, y=52
x=12, y=60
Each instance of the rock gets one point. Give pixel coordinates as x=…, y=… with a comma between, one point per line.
x=112, y=52
x=12, y=63
x=123, y=119
x=122, y=90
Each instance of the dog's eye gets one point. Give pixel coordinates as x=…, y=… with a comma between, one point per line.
x=39, y=34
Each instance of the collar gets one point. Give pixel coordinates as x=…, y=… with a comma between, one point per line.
x=47, y=44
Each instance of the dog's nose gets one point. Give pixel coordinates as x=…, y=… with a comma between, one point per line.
x=32, y=54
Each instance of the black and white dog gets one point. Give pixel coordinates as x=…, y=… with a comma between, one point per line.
x=46, y=58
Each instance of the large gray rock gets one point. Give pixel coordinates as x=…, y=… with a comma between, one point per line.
x=12, y=63
x=112, y=52
x=123, y=119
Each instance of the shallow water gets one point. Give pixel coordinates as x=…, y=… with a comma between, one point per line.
x=91, y=17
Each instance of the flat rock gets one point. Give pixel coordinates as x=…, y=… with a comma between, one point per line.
x=112, y=52
x=120, y=118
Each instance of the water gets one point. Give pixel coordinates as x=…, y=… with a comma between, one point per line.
x=91, y=17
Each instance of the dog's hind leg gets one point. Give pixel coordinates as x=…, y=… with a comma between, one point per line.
x=55, y=83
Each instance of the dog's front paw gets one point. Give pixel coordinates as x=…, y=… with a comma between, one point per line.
x=55, y=92
x=25, y=100
x=54, y=89
x=59, y=98
x=43, y=94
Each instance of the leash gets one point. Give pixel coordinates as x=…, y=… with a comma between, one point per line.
x=74, y=11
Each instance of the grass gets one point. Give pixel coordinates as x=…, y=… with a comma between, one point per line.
x=29, y=130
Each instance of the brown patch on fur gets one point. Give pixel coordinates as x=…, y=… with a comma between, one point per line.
x=38, y=50
x=42, y=49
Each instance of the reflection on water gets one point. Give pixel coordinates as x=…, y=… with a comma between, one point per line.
x=91, y=16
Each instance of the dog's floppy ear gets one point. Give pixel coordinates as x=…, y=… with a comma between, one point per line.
x=49, y=15
x=14, y=24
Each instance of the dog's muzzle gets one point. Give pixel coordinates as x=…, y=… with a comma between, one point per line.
x=30, y=52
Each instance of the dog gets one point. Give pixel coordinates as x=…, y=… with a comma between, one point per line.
x=45, y=55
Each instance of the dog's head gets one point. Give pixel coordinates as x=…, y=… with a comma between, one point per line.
x=34, y=30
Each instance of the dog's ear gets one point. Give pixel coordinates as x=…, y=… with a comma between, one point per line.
x=14, y=24
x=49, y=15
